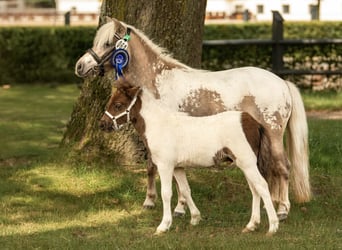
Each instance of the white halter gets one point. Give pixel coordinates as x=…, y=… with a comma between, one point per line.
x=126, y=112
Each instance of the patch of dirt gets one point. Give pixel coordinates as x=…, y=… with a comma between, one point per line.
x=325, y=114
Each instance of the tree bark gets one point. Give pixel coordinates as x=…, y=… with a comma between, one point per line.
x=175, y=25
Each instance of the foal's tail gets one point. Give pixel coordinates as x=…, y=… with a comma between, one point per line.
x=298, y=148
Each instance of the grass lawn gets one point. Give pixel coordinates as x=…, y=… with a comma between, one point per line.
x=48, y=201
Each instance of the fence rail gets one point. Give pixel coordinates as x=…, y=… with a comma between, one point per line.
x=324, y=58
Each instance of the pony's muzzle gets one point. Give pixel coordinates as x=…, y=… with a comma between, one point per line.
x=79, y=69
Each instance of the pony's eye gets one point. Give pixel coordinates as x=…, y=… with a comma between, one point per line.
x=107, y=44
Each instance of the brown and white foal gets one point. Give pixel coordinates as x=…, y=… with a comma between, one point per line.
x=176, y=140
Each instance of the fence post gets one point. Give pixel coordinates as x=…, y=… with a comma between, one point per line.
x=277, y=48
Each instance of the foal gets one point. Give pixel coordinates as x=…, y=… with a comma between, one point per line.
x=175, y=140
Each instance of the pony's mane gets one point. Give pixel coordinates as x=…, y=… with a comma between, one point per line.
x=104, y=35
x=107, y=31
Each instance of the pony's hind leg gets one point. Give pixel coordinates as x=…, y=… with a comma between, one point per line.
x=184, y=189
x=151, y=193
x=280, y=174
x=181, y=204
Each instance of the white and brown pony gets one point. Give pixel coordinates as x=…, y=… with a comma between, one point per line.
x=176, y=140
x=274, y=103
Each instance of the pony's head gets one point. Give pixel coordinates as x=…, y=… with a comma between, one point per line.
x=122, y=107
x=109, y=50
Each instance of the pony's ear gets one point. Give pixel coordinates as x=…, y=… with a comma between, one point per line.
x=119, y=26
x=108, y=19
x=122, y=84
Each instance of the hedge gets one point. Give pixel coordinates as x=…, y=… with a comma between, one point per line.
x=292, y=30
x=45, y=54
x=49, y=54
x=304, y=57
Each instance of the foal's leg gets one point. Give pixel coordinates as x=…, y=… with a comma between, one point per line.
x=255, y=217
x=165, y=173
x=184, y=189
x=255, y=179
x=151, y=193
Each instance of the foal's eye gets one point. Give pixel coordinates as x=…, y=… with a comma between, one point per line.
x=117, y=106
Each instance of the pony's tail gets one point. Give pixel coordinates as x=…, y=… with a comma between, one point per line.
x=297, y=147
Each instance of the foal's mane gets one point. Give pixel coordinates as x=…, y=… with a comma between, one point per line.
x=106, y=33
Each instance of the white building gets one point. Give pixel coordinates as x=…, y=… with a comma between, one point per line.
x=293, y=10
x=12, y=5
x=81, y=6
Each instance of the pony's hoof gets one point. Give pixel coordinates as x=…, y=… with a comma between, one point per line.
x=178, y=214
x=282, y=216
x=148, y=207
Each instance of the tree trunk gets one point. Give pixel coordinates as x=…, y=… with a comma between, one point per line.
x=174, y=25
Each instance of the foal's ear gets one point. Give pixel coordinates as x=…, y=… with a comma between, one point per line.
x=131, y=92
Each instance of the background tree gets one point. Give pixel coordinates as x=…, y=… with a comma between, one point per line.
x=174, y=25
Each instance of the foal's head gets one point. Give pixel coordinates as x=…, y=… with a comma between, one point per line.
x=123, y=107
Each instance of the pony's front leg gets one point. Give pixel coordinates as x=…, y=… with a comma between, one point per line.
x=184, y=189
x=151, y=193
x=255, y=217
x=165, y=173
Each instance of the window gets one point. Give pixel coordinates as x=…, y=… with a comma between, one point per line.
x=260, y=9
x=286, y=9
x=313, y=9
x=238, y=8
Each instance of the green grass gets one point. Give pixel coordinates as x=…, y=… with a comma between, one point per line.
x=322, y=100
x=48, y=201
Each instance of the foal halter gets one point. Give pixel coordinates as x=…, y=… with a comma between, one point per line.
x=119, y=50
x=126, y=112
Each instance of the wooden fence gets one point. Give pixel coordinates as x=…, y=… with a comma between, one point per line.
x=323, y=62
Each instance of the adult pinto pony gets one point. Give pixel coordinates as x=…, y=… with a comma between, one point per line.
x=274, y=103
x=235, y=133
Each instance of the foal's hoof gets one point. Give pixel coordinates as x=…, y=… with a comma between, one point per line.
x=149, y=203
x=270, y=234
x=282, y=216
x=195, y=220
x=251, y=227
x=248, y=230
x=159, y=232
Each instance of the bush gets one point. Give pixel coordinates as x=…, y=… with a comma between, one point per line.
x=303, y=57
x=292, y=30
x=49, y=54
x=44, y=54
